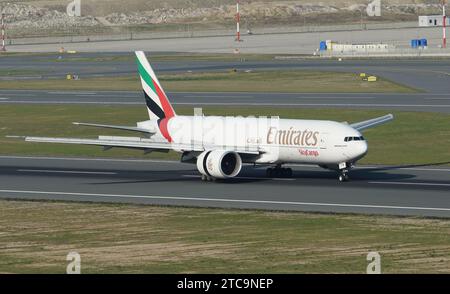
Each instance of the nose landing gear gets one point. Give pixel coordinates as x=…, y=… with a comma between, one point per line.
x=343, y=171
x=343, y=175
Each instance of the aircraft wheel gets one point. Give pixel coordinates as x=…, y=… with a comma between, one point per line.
x=287, y=172
x=270, y=172
x=343, y=177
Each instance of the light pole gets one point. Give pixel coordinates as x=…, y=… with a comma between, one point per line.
x=3, y=36
x=444, y=24
x=238, y=20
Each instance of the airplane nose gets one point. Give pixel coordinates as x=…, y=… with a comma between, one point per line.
x=363, y=148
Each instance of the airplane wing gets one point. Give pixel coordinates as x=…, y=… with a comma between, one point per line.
x=126, y=128
x=360, y=126
x=133, y=143
x=116, y=141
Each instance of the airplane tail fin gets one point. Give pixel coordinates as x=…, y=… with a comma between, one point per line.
x=158, y=105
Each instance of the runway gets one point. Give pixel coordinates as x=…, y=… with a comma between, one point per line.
x=429, y=75
x=431, y=102
x=413, y=190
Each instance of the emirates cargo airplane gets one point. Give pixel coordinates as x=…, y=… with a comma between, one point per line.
x=219, y=146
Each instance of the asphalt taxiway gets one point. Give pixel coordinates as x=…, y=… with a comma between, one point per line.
x=429, y=75
x=406, y=190
x=430, y=102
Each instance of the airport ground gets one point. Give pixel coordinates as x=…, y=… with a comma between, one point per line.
x=412, y=182
x=257, y=43
x=119, y=238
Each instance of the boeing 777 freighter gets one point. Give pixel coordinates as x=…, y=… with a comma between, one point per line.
x=219, y=146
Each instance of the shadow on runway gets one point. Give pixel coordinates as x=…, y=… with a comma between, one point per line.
x=394, y=167
x=249, y=174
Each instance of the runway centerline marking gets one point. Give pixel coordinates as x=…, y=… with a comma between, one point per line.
x=64, y=171
x=312, y=104
x=410, y=183
x=230, y=103
x=3, y=98
x=91, y=159
x=72, y=93
x=72, y=102
x=199, y=199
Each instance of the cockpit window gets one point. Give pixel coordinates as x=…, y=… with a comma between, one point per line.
x=348, y=139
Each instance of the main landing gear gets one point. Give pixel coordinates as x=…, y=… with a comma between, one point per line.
x=206, y=178
x=279, y=172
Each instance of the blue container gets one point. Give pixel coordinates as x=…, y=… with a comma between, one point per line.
x=323, y=46
x=414, y=43
x=423, y=43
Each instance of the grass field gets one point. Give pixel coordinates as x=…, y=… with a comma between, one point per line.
x=35, y=237
x=409, y=139
x=280, y=81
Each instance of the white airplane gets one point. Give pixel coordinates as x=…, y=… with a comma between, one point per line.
x=220, y=145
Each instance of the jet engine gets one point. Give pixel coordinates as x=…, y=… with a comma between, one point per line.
x=219, y=164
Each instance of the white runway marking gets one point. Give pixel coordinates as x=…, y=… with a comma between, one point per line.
x=199, y=199
x=21, y=94
x=72, y=102
x=299, y=97
x=310, y=104
x=380, y=167
x=107, y=96
x=232, y=104
x=220, y=96
x=407, y=168
x=411, y=183
x=3, y=98
x=91, y=159
x=64, y=171
x=72, y=93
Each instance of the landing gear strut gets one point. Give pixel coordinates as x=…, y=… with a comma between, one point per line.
x=206, y=178
x=279, y=172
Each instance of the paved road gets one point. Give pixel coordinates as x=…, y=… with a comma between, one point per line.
x=419, y=190
x=413, y=102
x=292, y=43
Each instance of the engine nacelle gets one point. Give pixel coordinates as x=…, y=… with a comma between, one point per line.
x=219, y=164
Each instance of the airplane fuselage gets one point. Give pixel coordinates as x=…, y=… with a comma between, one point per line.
x=319, y=142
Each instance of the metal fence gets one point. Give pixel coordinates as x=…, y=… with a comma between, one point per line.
x=181, y=31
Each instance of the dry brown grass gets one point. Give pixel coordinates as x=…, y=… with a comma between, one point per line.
x=111, y=238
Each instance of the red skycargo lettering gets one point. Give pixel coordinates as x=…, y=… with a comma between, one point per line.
x=305, y=152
